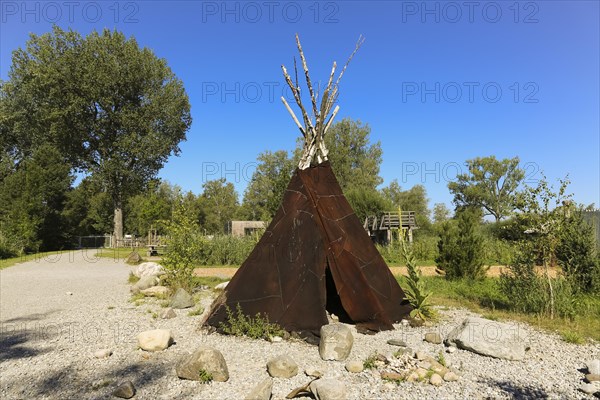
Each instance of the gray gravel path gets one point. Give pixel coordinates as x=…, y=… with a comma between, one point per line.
x=54, y=314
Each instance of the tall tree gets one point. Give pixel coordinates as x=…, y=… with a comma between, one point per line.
x=415, y=199
x=353, y=158
x=490, y=184
x=441, y=213
x=113, y=109
x=265, y=191
x=221, y=203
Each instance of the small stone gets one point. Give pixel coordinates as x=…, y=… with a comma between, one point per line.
x=181, y=299
x=592, y=378
x=354, y=366
x=103, y=353
x=69, y=293
x=262, y=391
x=404, y=351
x=593, y=367
x=397, y=342
x=404, y=322
x=389, y=385
x=424, y=364
x=328, y=389
x=392, y=376
x=313, y=373
x=168, y=313
x=222, y=285
x=336, y=342
x=450, y=376
x=125, y=390
x=419, y=355
x=155, y=340
x=133, y=258
x=421, y=372
x=433, y=337
x=282, y=367
x=205, y=359
x=276, y=339
x=416, y=322
x=412, y=376
x=451, y=349
x=156, y=291
x=436, y=380
x=589, y=388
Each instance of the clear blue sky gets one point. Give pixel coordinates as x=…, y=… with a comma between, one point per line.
x=438, y=82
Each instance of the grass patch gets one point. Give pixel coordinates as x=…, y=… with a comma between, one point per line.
x=120, y=253
x=572, y=337
x=37, y=257
x=205, y=376
x=132, y=279
x=210, y=281
x=197, y=311
x=484, y=297
x=370, y=362
x=137, y=299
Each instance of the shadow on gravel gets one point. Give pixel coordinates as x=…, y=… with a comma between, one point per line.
x=520, y=392
x=71, y=383
x=13, y=346
x=31, y=317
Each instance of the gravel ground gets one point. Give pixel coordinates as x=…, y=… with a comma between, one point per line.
x=54, y=314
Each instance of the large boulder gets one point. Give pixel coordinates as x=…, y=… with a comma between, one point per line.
x=328, y=389
x=336, y=342
x=155, y=340
x=488, y=338
x=181, y=299
x=593, y=367
x=282, y=367
x=148, y=269
x=262, y=391
x=206, y=359
x=144, y=283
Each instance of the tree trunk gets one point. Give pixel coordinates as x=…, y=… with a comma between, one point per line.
x=118, y=225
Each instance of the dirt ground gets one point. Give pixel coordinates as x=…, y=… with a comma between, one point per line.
x=494, y=271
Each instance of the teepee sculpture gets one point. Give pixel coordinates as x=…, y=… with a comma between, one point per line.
x=315, y=257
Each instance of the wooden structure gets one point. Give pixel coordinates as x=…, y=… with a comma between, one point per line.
x=383, y=228
x=244, y=228
x=155, y=243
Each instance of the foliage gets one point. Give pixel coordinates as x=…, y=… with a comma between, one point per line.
x=113, y=109
x=258, y=327
x=197, y=311
x=572, y=337
x=415, y=199
x=490, y=184
x=414, y=290
x=265, y=191
x=576, y=253
x=461, y=247
x=220, y=203
x=370, y=362
x=32, y=199
x=424, y=249
x=154, y=204
x=441, y=359
x=132, y=279
x=529, y=293
x=227, y=250
x=353, y=158
x=366, y=202
x=184, y=247
x=441, y=213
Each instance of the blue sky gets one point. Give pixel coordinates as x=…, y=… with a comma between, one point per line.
x=438, y=82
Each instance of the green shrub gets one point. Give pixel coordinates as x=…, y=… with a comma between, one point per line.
x=257, y=327
x=184, y=249
x=370, y=362
x=205, y=376
x=576, y=254
x=461, y=247
x=414, y=289
x=227, y=250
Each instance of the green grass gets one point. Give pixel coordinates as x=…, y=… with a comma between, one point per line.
x=210, y=281
x=50, y=255
x=369, y=363
x=484, y=297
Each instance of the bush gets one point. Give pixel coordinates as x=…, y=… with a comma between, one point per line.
x=184, y=250
x=227, y=250
x=424, y=248
x=7, y=249
x=257, y=327
x=576, y=254
x=497, y=251
x=529, y=293
x=461, y=252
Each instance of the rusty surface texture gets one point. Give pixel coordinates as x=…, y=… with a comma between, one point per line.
x=315, y=256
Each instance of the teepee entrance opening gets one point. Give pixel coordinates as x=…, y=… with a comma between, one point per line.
x=333, y=303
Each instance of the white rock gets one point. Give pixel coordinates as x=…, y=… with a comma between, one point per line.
x=148, y=269
x=103, y=353
x=282, y=367
x=328, y=389
x=589, y=388
x=262, y=391
x=276, y=339
x=436, y=380
x=69, y=293
x=206, y=359
x=156, y=291
x=336, y=342
x=593, y=367
x=155, y=340
x=313, y=372
x=222, y=285
x=450, y=376
x=451, y=349
x=354, y=366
